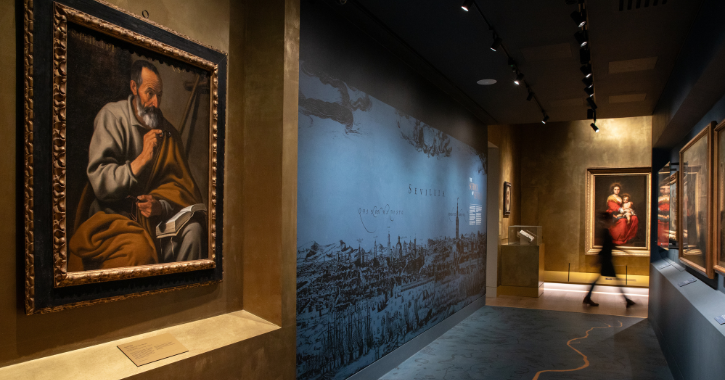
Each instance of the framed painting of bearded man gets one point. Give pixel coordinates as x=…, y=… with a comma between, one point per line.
x=124, y=155
x=625, y=194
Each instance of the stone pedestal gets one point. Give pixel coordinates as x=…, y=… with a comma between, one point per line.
x=522, y=270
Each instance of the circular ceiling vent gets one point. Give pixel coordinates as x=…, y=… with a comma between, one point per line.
x=486, y=82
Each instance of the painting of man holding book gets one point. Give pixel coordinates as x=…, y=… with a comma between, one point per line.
x=141, y=204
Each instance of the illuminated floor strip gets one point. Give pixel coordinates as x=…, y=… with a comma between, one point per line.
x=586, y=359
x=586, y=291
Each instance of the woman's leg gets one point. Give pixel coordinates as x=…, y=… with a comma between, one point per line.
x=591, y=289
x=588, y=298
x=627, y=300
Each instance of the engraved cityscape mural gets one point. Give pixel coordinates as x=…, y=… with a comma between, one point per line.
x=391, y=235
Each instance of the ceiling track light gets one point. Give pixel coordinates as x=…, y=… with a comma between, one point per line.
x=592, y=114
x=586, y=70
x=582, y=37
x=591, y=103
x=545, y=119
x=467, y=5
x=588, y=81
x=580, y=18
x=594, y=127
x=585, y=55
x=519, y=79
x=589, y=91
x=496, y=42
x=531, y=96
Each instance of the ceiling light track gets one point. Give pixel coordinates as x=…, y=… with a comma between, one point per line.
x=497, y=45
x=585, y=58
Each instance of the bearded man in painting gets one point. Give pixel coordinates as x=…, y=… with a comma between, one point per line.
x=138, y=177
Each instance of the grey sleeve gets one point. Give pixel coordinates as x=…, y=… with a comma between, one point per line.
x=167, y=211
x=109, y=172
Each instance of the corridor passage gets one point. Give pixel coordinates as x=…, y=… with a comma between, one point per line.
x=503, y=343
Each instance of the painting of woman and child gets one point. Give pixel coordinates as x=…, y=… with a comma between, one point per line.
x=623, y=193
x=621, y=204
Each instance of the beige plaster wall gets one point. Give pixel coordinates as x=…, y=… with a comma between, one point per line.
x=505, y=138
x=554, y=159
x=263, y=59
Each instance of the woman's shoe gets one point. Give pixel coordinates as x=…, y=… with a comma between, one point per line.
x=589, y=302
x=629, y=302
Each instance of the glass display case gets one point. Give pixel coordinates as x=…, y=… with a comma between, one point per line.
x=525, y=235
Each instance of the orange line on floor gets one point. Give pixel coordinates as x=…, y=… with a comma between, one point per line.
x=586, y=359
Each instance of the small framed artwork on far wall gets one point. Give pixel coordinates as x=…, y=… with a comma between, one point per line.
x=506, y=198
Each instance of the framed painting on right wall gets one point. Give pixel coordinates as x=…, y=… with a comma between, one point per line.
x=695, y=216
x=719, y=204
x=674, y=207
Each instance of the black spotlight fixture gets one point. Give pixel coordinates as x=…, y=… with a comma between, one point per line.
x=591, y=103
x=545, y=119
x=591, y=114
x=466, y=5
x=594, y=127
x=582, y=37
x=531, y=96
x=519, y=79
x=585, y=55
x=588, y=81
x=496, y=42
x=586, y=70
x=589, y=91
x=580, y=18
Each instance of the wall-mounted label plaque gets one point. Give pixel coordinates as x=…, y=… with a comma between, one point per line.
x=149, y=350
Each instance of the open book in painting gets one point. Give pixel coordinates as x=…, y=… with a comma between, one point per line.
x=172, y=226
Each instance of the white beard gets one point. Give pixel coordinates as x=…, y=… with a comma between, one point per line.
x=150, y=116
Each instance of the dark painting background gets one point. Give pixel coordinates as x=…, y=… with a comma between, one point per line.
x=636, y=187
x=99, y=73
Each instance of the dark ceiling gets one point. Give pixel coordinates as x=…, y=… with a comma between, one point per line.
x=539, y=35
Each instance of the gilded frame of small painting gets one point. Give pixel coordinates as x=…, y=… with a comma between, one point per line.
x=507, y=198
x=132, y=202
x=695, y=206
x=624, y=193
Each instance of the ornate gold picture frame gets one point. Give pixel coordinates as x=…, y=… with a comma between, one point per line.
x=719, y=193
x=674, y=234
x=666, y=208
x=506, y=198
x=625, y=193
x=131, y=204
x=695, y=206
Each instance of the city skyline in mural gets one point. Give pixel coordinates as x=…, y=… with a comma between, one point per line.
x=391, y=227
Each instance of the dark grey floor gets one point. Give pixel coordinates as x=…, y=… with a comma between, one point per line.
x=502, y=343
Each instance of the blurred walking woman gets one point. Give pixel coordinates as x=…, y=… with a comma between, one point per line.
x=606, y=220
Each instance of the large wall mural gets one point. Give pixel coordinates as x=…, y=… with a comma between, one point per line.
x=391, y=227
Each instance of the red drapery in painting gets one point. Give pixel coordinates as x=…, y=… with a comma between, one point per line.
x=622, y=231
